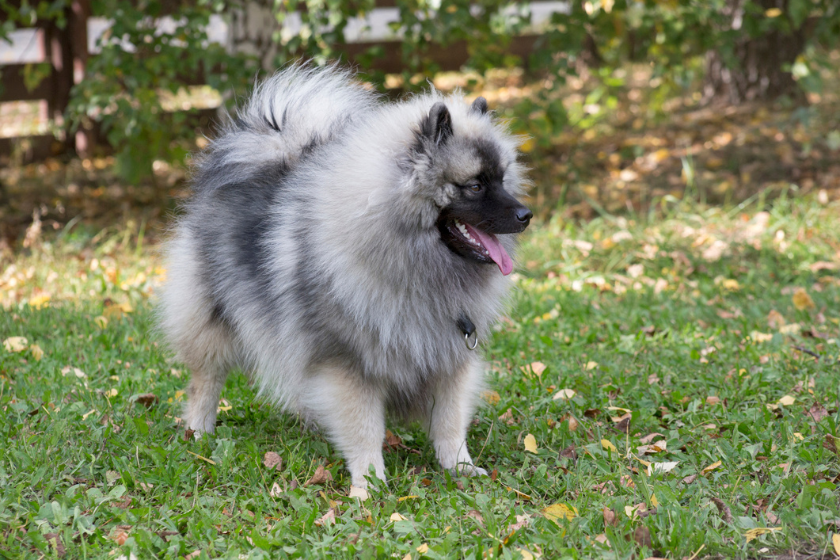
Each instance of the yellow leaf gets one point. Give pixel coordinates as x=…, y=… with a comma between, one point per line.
x=801, y=299
x=607, y=444
x=423, y=548
x=530, y=443
x=518, y=493
x=179, y=395
x=36, y=351
x=712, y=467
x=835, y=540
x=111, y=393
x=591, y=365
x=773, y=13
x=39, y=301
x=526, y=554
x=397, y=517
x=793, y=328
x=84, y=416
x=564, y=394
x=125, y=307
x=787, y=400
x=653, y=501
x=761, y=337
x=798, y=436
x=113, y=313
x=15, y=344
x=404, y=498
x=407, y=556
x=556, y=512
x=101, y=322
x=755, y=533
x=573, y=423
x=491, y=397
x=630, y=511
x=731, y=284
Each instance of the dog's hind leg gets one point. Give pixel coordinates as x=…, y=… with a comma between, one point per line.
x=451, y=408
x=352, y=414
x=209, y=355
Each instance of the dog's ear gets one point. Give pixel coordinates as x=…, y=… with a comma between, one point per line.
x=438, y=125
x=479, y=106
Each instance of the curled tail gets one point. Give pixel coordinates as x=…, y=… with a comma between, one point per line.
x=285, y=116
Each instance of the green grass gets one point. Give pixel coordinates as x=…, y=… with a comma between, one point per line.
x=626, y=314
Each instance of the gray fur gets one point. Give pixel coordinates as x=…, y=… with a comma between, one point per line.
x=309, y=255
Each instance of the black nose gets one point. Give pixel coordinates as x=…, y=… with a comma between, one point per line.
x=524, y=215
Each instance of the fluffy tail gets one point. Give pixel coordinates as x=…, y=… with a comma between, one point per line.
x=286, y=116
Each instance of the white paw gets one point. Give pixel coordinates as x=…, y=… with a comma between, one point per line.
x=468, y=469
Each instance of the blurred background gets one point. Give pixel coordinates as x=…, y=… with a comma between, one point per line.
x=628, y=105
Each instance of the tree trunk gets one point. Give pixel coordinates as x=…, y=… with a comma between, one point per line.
x=757, y=69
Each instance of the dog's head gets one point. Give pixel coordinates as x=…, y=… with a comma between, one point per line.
x=466, y=164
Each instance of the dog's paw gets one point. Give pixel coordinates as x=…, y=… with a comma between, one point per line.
x=470, y=470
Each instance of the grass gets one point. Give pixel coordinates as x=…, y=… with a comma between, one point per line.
x=703, y=326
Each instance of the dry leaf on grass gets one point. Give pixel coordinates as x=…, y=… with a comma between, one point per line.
x=321, y=476
x=15, y=344
x=758, y=531
x=711, y=467
x=272, y=461
x=423, y=548
x=835, y=540
x=521, y=521
x=607, y=444
x=564, y=394
x=787, y=400
x=725, y=512
x=610, y=519
x=801, y=299
x=649, y=438
x=397, y=517
x=530, y=443
x=689, y=479
x=642, y=536
x=146, y=399
x=556, y=512
x=817, y=412
x=119, y=536
x=36, y=351
x=326, y=519
x=54, y=539
x=275, y=491
x=361, y=493
x=491, y=397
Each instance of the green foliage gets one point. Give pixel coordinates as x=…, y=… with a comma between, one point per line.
x=138, y=61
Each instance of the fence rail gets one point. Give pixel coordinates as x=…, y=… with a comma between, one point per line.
x=66, y=51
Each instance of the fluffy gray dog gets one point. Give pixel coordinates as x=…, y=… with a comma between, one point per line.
x=341, y=249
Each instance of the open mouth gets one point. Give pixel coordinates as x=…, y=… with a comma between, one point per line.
x=470, y=242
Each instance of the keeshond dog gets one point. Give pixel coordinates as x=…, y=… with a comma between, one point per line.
x=342, y=250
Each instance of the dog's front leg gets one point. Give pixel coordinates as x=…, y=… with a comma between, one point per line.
x=352, y=414
x=453, y=403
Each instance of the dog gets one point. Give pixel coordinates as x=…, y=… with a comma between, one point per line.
x=350, y=253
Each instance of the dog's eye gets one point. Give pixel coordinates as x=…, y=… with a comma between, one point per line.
x=476, y=188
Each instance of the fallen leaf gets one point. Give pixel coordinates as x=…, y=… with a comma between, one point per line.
x=817, y=412
x=801, y=299
x=326, y=519
x=775, y=319
x=602, y=538
x=591, y=365
x=272, y=461
x=755, y=533
x=491, y=397
x=55, y=542
x=607, y=444
x=397, y=517
x=111, y=393
x=564, y=394
x=711, y=467
x=725, y=512
x=15, y=344
x=642, y=536
x=356, y=492
x=835, y=540
x=36, y=351
x=192, y=555
x=535, y=368
x=664, y=467
x=518, y=493
x=39, y=301
x=689, y=479
x=761, y=337
x=119, y=537
x=648, y=438
x=146, y=399
x=423, y=548
x=521, y=521
x=320, y=477
x=556, y=512
x=573, y=424
x=530, y=443
x=609, y=517
x=712, y=400
x=569, y=452
x=787, y=400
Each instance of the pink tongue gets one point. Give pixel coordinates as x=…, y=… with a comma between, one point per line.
x=497, y=252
